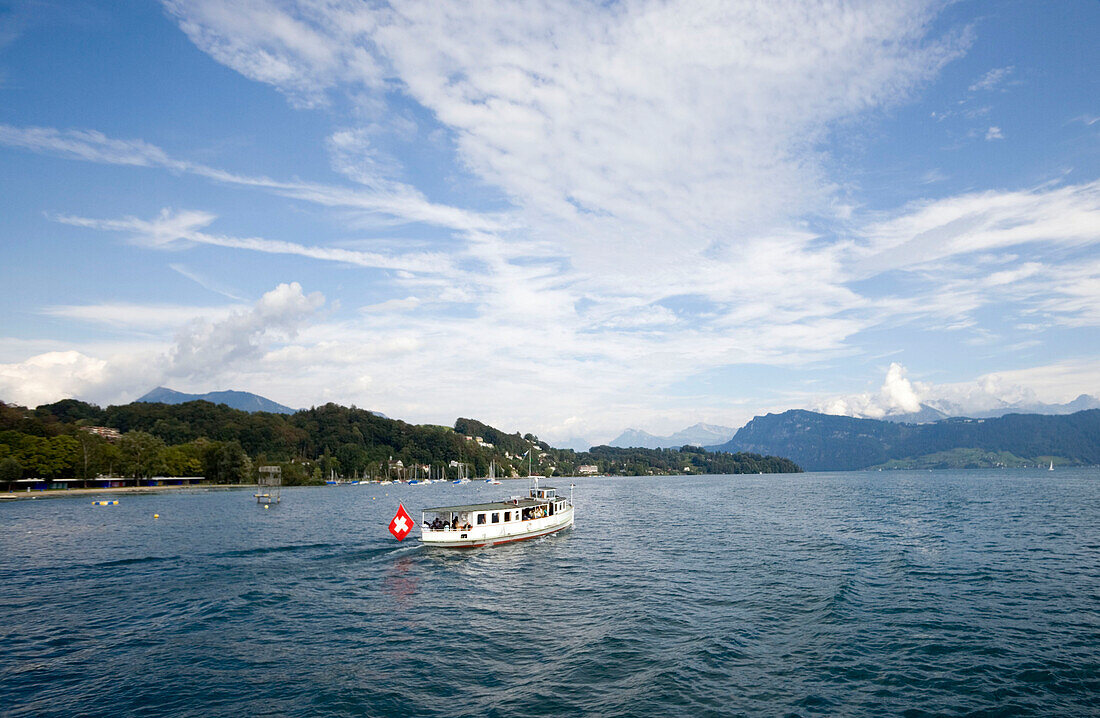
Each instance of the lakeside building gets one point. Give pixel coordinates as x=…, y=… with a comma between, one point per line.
x=100, y=482
x=587, y=470
x=106, y=432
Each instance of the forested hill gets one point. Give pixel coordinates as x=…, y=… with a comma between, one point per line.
x=224, y=444
x=822, y=442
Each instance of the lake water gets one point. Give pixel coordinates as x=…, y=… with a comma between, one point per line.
x=859, y=594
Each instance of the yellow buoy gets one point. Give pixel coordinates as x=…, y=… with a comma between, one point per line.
x=266, y=506
x=156, y=516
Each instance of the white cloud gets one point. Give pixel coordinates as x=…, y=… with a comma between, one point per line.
x=1059, y=382
x=203, y=347
x=384, y=197
x=995, y=391
x=50, y=376
x=650, y=151
x=992, y=79
x=994, y=133
x=614, y=128
x=406, y=304
x=204, y=282
x=293, y=51
x=896, y=396
x=179, y=230
x=88, y=145
x=145, y=317
x=979, y=222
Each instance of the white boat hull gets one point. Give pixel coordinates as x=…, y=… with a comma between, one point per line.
x=494, y=534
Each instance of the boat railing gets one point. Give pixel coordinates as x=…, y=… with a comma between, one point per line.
x=427, y=526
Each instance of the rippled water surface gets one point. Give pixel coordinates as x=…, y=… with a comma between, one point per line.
x=868, y=594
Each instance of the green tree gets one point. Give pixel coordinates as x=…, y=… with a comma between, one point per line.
x=186, y=459
x=227, y=463
x=141, y=454
x=295, y=474
x=352, y=458
x=108, y=459
x=10, y=471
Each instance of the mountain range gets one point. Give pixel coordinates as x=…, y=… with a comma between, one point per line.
x=823, y=442
x=710, y=434
x=945, y=409
x=697, y=435
x=243, y=400
x=930, y=438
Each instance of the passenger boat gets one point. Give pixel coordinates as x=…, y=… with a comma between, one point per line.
x=540, y=513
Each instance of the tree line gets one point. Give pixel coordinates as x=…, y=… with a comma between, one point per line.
x=225, y=445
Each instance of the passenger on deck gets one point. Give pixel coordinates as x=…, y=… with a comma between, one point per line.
x=454, y=523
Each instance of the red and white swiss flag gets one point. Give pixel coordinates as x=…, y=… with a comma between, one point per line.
x=402, y=523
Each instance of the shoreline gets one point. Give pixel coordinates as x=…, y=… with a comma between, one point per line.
x=73, y=493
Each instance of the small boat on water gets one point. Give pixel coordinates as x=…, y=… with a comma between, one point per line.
x=540, y=513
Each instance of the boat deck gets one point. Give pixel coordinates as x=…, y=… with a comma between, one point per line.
x=523, y=503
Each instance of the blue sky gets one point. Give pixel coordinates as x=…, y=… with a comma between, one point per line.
x=559, y=218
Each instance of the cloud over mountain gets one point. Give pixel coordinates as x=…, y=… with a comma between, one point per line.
x=202, y=347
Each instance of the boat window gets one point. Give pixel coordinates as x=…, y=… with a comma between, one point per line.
x=481, y=518
x=496, y=517
x=507, y=516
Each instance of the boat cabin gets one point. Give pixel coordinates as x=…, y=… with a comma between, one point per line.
x=510, y=519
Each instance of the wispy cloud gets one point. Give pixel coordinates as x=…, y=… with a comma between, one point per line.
x=142, y=317
x=992, y=79
x=204, y=282
x=980, y=221
x=293, y=51
x=648, y=152
x=994, y=133
x=177, y=230
x=384, y=197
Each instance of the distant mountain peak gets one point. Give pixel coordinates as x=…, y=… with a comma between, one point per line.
x=698, y=435
x=243, y=400
x=926, y=415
